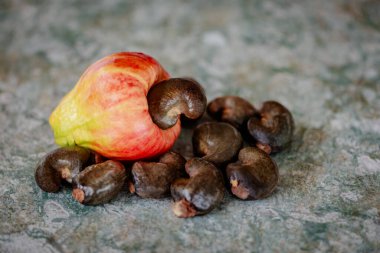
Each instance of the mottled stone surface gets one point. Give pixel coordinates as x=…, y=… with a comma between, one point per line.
x=319, y=58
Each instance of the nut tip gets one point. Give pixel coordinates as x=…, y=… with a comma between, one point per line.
x=239, y=191
x=264, y=147
x=66, y=174
x=131, y=187
x=78, y=195
x=234, y=182
x=183, y=209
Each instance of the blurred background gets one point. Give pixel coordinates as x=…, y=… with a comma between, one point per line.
x=321, y=59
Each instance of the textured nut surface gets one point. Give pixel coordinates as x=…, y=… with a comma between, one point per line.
x=273, y=129
x=99, y=183
x=60, y=164
x=153, y=179
x=254, y=176
x=216, y=142
x=231, y=109
x=200, y=193
x=168, y=99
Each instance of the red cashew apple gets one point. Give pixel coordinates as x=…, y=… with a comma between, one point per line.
x=107, y=111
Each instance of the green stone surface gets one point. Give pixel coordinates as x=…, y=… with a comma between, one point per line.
x=321, y=59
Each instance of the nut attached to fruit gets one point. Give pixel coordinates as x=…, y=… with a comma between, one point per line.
x=273, y=128
x=99, y=183
x=170, y=98
x=216, y=142
x=200, y=193
x=107, y=111
x=153, y=179
x=254, y=176
x=60, y=164
x=231, y=109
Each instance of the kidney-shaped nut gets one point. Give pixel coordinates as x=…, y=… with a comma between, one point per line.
x=273, y=129
x=60, y=164
x=200, y=193
x=99, y=183
x=216, y=142
x=168, y=99
x=231, y=109
x=153, y=179
x=254, y=176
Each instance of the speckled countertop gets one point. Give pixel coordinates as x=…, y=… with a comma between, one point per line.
x=319, y=58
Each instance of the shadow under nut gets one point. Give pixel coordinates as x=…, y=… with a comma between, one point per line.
x=153, y=179
x=254, y=176
x=99, y=183
x=273, y=129
x=168, y=99
x=231, y=109
x=216, y=142
x=200, y=193
x=58, y=165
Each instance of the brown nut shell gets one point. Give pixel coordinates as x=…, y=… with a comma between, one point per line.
x=99, y=183
x=254, y=176
x=200, y=193
x=60, y=164
x=231, y=109
x=273, y=129
x=153, y=179
x=216, y=142
x=168, y=99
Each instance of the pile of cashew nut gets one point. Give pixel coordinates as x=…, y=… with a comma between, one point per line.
x=231, y=147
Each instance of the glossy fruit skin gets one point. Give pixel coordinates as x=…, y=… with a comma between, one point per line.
x=100, y=182
x=107, y=110
x=58, y=165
